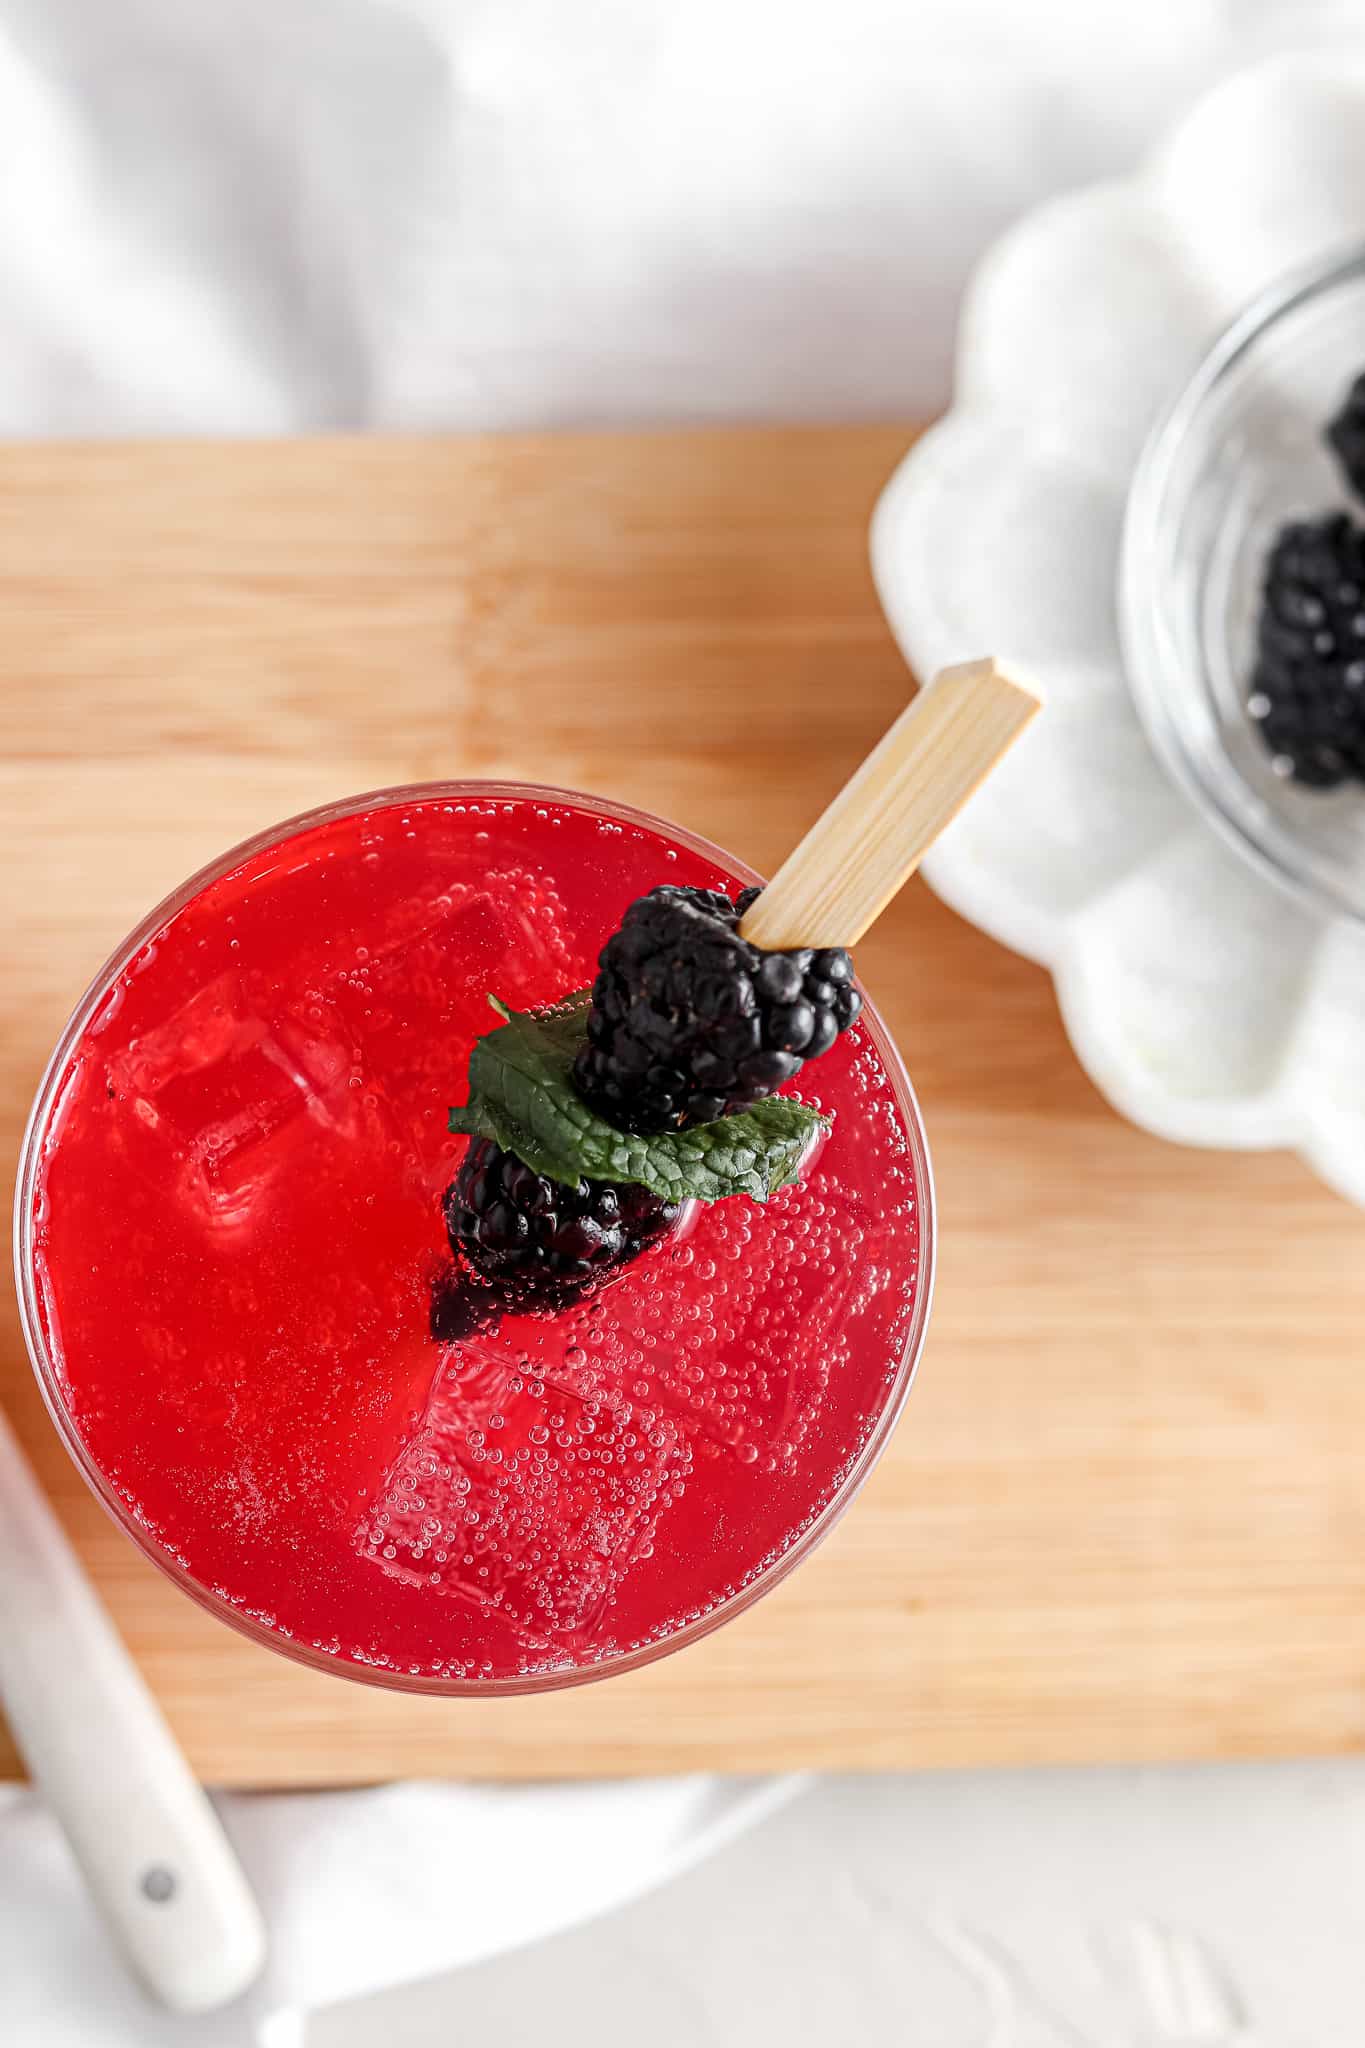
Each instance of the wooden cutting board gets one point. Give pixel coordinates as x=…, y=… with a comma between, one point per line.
x=1123, y=1515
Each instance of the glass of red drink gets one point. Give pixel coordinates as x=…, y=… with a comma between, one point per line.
x=231, y=1266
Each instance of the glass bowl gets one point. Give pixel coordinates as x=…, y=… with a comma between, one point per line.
x=1240, y=453
x=46, y=1119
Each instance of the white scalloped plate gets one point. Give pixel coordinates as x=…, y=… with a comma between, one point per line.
x=1208, y=1006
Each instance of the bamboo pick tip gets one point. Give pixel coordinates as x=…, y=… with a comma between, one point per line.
x=981, y=673
x=868, y=842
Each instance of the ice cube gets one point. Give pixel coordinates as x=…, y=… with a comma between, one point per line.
x=415, y=993
x=215, y=1024
x=525, y=1497
x=738, y=1333
x=505, y=935
x=224, y=1097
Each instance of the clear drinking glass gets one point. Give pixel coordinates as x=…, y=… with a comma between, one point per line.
x=197, y=1129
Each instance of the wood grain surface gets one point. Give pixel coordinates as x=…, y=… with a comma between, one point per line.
x=1122, y=1517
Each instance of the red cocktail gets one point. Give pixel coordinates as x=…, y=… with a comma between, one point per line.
x=237, y=1290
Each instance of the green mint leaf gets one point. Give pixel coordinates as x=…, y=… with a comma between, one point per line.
x=521, y=1095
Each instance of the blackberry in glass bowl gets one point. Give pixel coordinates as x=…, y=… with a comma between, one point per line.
x=1242, y=586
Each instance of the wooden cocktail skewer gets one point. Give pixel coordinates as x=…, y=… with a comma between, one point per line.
x=870, y=840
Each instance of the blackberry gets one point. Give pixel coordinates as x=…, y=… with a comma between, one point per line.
x=539, y=1242
x=689, y=1022
x=1345, y=436
x=1307, y=692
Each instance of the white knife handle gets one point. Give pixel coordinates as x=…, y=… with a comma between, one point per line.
x=151, y=1847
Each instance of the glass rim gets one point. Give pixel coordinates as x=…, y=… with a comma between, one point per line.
x=1151, y=665
x=384, y=1678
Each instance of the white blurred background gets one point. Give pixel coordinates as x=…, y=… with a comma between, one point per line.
x=470, y=213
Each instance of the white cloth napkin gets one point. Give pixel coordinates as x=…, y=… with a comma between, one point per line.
x=360, y=1890
x=487, y=213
